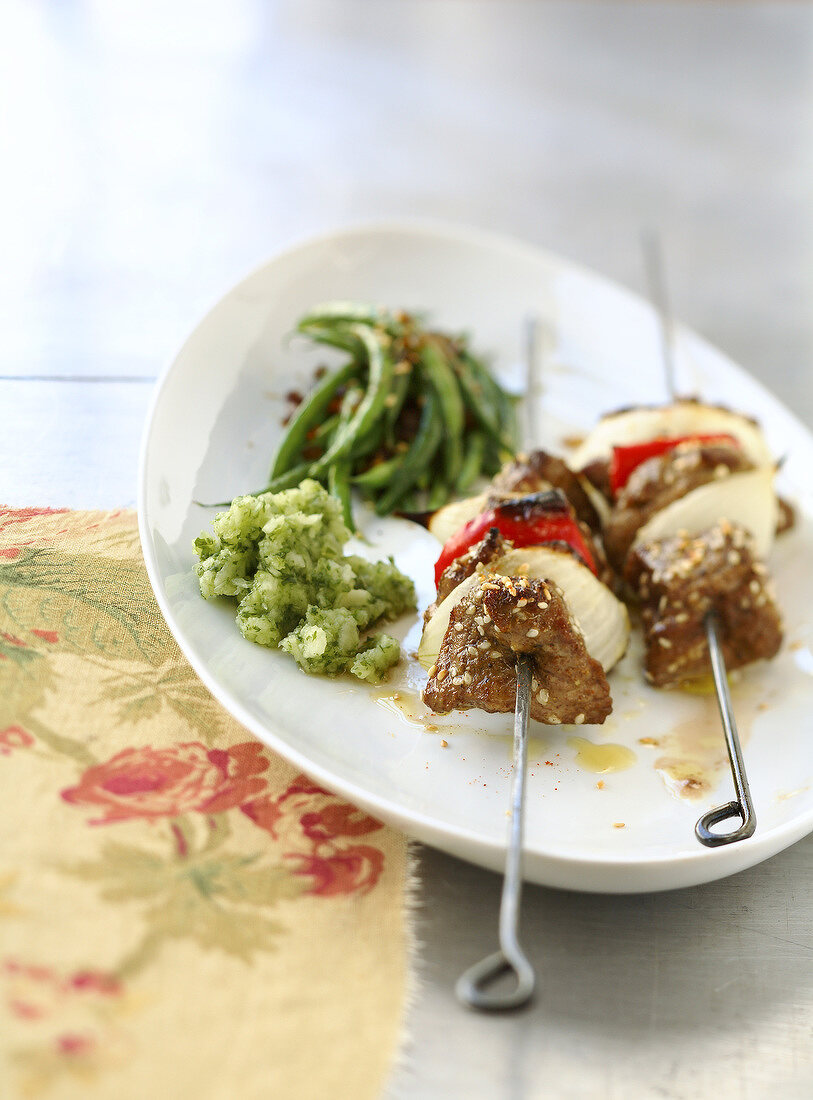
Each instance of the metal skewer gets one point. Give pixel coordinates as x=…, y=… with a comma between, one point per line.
x=742, y=807
x=472, y=986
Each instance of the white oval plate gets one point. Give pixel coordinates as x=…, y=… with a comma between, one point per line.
x=212, y=431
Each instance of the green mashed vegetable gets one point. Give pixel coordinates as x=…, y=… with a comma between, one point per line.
x=280, y=555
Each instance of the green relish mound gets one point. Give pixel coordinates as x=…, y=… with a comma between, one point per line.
x=280, y=555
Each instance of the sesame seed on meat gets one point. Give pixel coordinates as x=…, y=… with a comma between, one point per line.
x=684, y=579
x=569, y=685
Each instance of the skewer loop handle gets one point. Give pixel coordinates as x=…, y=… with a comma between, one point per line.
x=742, y=807
x=722, y=813
x=472, y=985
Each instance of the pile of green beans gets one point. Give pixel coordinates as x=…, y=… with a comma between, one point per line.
x=411, y=419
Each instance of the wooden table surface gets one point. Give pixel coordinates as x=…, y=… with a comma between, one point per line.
x=152, y=153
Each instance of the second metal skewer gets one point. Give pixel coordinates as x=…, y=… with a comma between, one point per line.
x=742, y=807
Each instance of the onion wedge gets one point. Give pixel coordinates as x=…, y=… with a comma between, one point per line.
x=747, y=499
x=448, y=520
x=668, y=422
x=597, y=499
x=602, y=619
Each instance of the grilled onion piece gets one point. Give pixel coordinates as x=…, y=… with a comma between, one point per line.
x=448, y=520
x=668, y=422
x=602, y=619
x=747, y=499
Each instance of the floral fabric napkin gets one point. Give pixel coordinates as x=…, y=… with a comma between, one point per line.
x=182, y=914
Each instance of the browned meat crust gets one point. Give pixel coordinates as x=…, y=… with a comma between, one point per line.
x=680, y=579
x=504, y=616
x=659, y=481
x=539, y=470
x=492, y=546
x=786, y=518
x=597, y=473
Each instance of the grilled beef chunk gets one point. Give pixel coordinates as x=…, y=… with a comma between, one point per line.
x=504, y=616
x=680, y=579
x=492, y=546
x=659, y=481
x=540, y=470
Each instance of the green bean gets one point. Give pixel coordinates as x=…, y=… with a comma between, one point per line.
x=435, y=367
x=285, y=481
x=379, y=475
x=417, y=458
x=472, y=462
x=438, y=495
x=335, y=336
x=350, y=313
x=380, y=368
x=325, y=429
x=413, y=503
x=338, y=484
x=493, y=397
x=369, y=442
x=480, y=407
x=397, y=396
x=466, y=425
x=309, y=415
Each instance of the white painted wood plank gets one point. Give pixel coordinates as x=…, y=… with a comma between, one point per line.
x=71, y=444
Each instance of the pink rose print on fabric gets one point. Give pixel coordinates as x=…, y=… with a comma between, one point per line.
x=14, y=737
x=355, y=869
x=154, y=783
x=324, y=822
x=73, y=1045
x=34, y=992
x=339, y=819
x=64, y=1020
x=264, y=812
x=9, y=516
x=22, y=515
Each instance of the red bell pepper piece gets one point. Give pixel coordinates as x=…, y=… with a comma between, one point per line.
x=628, y=458
x=538, y=530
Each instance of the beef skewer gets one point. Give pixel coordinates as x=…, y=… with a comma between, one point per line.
x=523, y=621
x=472, y=987
x=742, y=807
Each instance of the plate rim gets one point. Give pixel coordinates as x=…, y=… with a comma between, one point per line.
x=715, y=863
